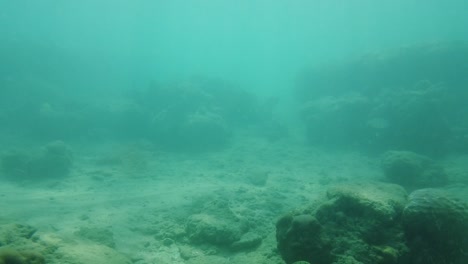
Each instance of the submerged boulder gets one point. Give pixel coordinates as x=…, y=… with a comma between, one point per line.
x=358, y=222
x=377, y=223
x=436, y=225
x=412, y=171
x=54, y=160
x=209, y=229
x=215, y=225
x=300, y=238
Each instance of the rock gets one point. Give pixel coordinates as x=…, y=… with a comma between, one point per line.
x=18, y=245
x=55, y=160
x=248, y=241
x=300, y=238
x=13, y=256
x=345, y=226
x=436, y=225
x=208, y=229
x=14, y=165
x=412, y=92
x=412, y=170
x=13, y=232
x=368, y=201
x=21, y=244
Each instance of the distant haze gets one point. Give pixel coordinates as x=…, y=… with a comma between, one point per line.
x=261, y=45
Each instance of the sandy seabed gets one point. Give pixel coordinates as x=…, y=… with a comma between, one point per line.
x=130, y=203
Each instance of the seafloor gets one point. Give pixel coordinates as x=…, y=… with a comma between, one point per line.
x=131, y=203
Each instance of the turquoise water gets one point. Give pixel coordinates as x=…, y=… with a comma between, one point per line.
x=261, y=44
x=181, y=131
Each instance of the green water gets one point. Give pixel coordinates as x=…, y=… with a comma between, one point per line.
x=133, y=128
x=261, y=44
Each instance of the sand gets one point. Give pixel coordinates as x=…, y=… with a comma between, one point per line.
x=131, y=202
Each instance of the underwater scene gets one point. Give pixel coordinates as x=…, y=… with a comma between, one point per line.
x=248, y=131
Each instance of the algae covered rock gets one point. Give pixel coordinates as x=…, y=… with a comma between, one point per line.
x=204, y=228
x=18, y=246
x=300, y=238
x=356, y=223
x=412, y=170
x=436, y=225
x=24, y=244
x=11, y=233
x=368, y=201
x=216, y=225
x=13, y=256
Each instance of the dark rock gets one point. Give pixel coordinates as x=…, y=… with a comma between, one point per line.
x=412, y=170
x=300, y=238
x=208, y=229
x=436, y=225
x=346, y=227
